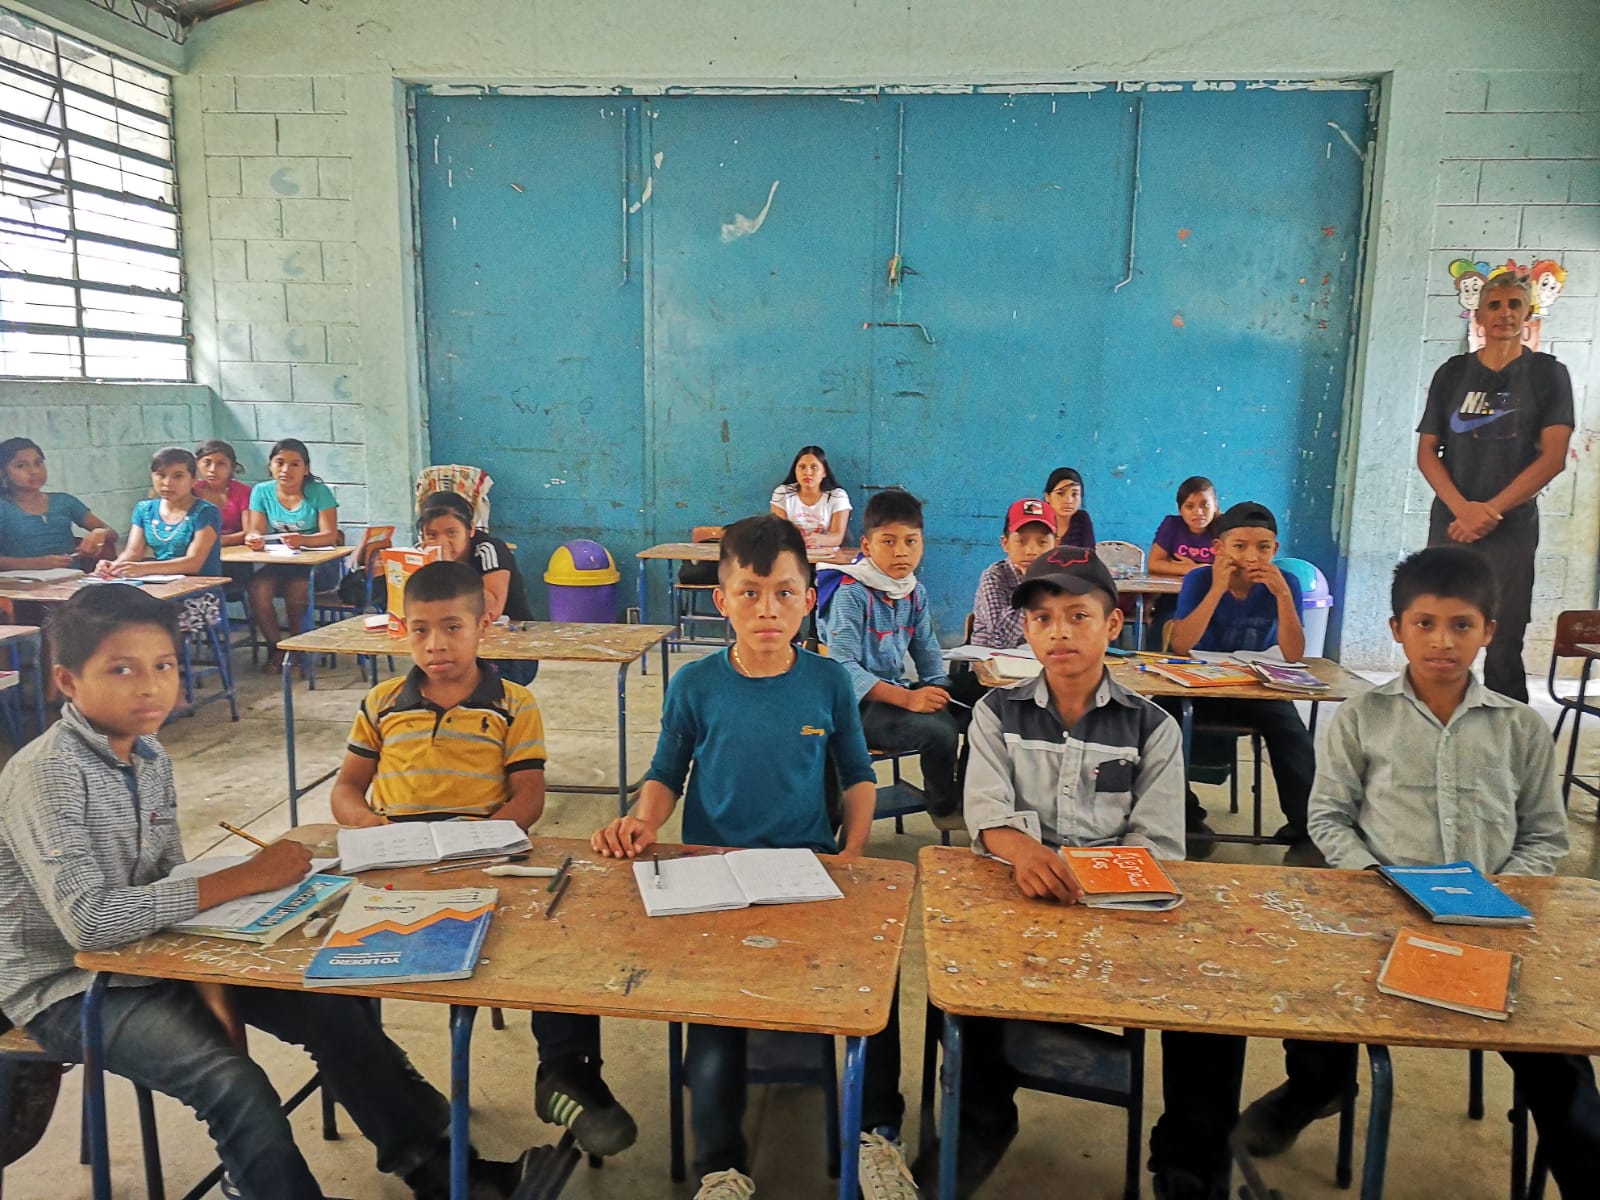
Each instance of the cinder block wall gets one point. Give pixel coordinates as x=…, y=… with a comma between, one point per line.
x=282, y=252
x=98, y=437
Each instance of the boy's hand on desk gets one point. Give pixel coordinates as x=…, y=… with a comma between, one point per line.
x=926, y=700
x=279, y=865
x=1042, y=873
x=626, y=837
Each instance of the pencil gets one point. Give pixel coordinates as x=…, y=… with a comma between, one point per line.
x=656, y=858
x=237, y=832
x=561, y=892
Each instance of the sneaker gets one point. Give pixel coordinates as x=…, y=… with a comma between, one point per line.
x=486, y=1179
x=574, y=1095
x=884, y=1174
x=1177, y=1184
x=1200, y=841
x=1270, y=1125
x=726, y=1185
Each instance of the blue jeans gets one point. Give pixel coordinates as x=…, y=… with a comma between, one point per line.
x=165, y=1038
x=714, y=1059
x=566, y=1038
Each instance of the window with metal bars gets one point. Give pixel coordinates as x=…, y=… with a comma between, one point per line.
x=91, y=275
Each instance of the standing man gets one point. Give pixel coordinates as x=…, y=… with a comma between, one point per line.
x=1494, y=432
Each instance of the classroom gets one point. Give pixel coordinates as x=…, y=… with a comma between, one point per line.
x=1068, y=274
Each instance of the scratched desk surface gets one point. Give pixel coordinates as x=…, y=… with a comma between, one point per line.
x=827, y=967
x=1259, y=951
x=60, y=593
x=560, y=641
x=311, y=556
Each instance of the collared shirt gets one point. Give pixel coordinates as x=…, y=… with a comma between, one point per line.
x=869, y=635
x=455, y=760
x=86, y=843
x=994, y=622
x=1114, y=779
x=1394, y=785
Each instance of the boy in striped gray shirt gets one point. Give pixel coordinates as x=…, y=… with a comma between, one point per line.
x=88, y=839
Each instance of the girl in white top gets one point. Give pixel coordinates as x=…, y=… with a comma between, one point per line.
x=811, y=499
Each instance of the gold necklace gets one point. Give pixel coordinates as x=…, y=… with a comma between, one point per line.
x=745, y=671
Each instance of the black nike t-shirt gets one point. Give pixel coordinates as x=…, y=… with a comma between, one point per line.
x=1488, y=422
x=490, y=554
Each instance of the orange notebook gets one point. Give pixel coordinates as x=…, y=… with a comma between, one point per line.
x=1121, y=877
x=1204, y=675
x=1468, y=979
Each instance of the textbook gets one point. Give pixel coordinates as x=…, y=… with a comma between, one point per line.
x=266, y=916
x=1457, y=894
x=414, y=843
x=1285, y=678
x=699, y=883
x=1121, y=877
x=1465, y=979
x=383, y=936
x=1204, y=675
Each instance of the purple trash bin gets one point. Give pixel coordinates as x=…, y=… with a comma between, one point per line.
x=583, y=583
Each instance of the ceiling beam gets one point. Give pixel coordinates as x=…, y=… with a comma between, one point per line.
x=93, y=22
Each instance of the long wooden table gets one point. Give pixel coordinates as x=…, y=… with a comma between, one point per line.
x=707, y=552
x=1276, y=952
x=528, y=641
x=1141, y=587
x=827, y=968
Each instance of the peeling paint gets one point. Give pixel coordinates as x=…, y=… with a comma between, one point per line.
x=743, y=226
x=1348, y=140
x=644, y=196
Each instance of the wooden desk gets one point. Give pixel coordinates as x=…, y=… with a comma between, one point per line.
x=529, y=641
x=1256, y=951
x=709, y=552
x=60, y=593
x=828, y=968
x=309, y=558
x=13, y=638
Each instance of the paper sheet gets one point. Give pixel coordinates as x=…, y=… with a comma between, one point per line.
x=704, y=883
x=782, y=876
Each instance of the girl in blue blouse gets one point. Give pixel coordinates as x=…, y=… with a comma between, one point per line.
x=38, y=528
x=174, y=533
x=299, y=509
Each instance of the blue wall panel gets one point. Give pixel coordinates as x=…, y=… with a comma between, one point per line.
x=636, y=411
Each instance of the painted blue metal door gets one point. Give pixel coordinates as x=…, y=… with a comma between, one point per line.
x=1200, y=328
x=1143, y=285
x=534, y=346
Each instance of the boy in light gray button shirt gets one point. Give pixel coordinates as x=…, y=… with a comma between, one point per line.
x=1431, y=768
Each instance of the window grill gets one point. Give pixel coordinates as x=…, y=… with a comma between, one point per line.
x=91, y=274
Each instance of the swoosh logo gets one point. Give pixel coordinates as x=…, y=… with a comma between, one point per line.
x=1461, y=425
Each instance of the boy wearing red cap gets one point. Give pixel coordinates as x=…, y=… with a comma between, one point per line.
x=1030, y=530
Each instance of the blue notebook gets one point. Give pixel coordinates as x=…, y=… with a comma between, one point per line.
x=388, y=937
x=1457, y=894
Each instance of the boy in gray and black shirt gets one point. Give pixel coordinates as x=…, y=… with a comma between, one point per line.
x=1075, y=759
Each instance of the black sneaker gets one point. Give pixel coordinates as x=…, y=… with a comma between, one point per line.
x=574, y=1095
x=1174, y=1184
x=1304, y=854
x=486, y=1178
x=1200, y=841
x=978, y=1158
x=1271, y=1124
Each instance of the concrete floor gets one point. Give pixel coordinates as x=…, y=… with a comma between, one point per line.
x=236, y=772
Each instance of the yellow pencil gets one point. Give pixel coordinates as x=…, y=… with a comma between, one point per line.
x=237, y=832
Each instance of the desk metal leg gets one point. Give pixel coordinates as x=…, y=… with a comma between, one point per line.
x=37, y=642
x=950, y=1112
x=1138, y=630
x=1377, y=1123
x=622, y=741
x=1186, y=727
x=461, y=1017
x=288, y=738
x=855, y=1072
x=94, y=1087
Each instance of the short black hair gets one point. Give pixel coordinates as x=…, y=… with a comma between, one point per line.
x=445, y=581
x=78, y=627
x=756, y=542
x=446, y=504
x=1451, y=572
x=892, y=506
x=173, y=456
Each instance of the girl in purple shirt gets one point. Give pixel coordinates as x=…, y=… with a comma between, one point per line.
x=1185, y=540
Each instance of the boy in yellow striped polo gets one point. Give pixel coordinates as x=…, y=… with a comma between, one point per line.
x=449, y=739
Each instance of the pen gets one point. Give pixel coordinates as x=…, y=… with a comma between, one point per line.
x=561, y=892
x=237, y=832
x=488, y=860
x=656, y=858
x=560, y=875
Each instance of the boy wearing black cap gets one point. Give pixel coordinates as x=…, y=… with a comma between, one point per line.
x=1073, y=758
x=1244, y=602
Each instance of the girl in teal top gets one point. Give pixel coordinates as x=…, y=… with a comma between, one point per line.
x=176, y=533
x=298, y=507
x=37, y=528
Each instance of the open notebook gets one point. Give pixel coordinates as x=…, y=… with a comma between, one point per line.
x=413, y=843
x=738, y=879
x=265, y=916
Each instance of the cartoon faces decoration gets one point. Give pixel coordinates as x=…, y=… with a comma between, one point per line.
x=1471, y=278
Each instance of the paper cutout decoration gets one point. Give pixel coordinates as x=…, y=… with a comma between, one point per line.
x=1471, y=278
